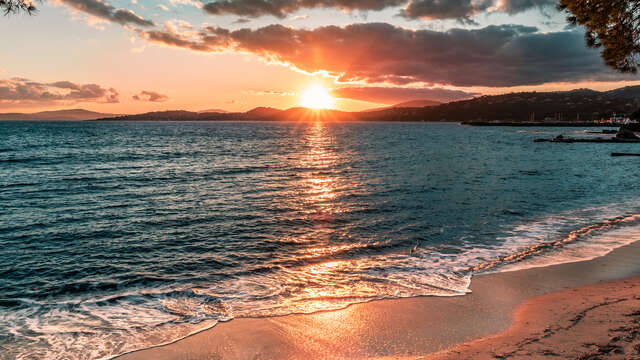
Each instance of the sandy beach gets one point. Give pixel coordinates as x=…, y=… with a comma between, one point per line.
x=528, y=313
x=591, y=322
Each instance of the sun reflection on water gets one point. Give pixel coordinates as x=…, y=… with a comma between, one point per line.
x=320, y=184
x=319, y=197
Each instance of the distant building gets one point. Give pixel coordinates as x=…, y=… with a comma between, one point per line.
x=619, y=118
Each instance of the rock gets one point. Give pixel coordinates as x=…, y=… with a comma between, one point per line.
x=625, y=133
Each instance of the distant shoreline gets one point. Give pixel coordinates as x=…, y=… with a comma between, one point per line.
x=537, y=124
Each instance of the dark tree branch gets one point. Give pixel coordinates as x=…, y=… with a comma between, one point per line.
x=8, y=7
x=612, y=25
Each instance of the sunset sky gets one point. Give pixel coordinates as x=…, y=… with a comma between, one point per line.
x=132, y=56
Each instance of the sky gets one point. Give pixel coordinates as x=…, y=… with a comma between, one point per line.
x=133, y=56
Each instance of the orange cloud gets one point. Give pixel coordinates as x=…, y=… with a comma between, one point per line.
x=150, y=96
x=20, y=91
x=495, y=56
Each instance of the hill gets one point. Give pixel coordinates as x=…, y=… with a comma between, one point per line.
x=627, y=92
x=219, y=111
x=576, y=105
x=261, y=112
x=417, y=103
x=582, y=105
x=71, y=114
x=408, y=104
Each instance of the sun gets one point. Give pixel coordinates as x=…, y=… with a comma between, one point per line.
x=317, y=97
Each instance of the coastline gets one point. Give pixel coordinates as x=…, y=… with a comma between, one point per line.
x=590, y=322
x=402, y=328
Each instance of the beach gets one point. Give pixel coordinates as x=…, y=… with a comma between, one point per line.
x=592, y=322
x=516, y=314
x=288, y=179
x=182, y=240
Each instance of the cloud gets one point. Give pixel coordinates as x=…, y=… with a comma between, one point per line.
x=106, y=11
x=280, y=8
x=394, y=95
x=426, y=9
x=445, y=9
x=269, y=92
x=497, y=56
x=465, y=9
x=162, y=7
x=515, y=6
x=195, y=3
x=22, y=91
x=150, y=96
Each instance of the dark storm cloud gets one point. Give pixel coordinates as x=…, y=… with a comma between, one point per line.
x=426, y=9
x=281, y=8
x=394, y=95
x=150, y=96
x=465, y=9
x=106, y=11
x=515, y=6
x=506, y=55
x=444, y=9
x=20, y=90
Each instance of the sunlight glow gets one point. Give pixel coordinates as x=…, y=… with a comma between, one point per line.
x=317, y=97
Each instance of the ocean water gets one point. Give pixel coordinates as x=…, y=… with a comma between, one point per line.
x=120, y=236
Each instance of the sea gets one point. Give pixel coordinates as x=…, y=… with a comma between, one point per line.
x=119, y=236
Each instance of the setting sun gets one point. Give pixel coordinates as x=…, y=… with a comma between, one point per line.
x=317, y=97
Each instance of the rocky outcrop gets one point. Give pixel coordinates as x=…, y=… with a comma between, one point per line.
x=625, y=133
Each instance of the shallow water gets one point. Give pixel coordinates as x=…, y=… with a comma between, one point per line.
x=119, y=236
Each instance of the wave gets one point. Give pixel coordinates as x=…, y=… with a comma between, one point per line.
x=572, y=237
x=110, y=325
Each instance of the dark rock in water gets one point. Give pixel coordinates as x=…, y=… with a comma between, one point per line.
x=625, y=133
x=632, y=126
x=596, y=140
x=624, y=154
x=559, y=137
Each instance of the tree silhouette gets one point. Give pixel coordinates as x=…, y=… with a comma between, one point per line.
x=15, y=6
x=613, y=25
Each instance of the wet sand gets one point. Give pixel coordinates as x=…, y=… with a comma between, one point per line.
x=600, y=321
x=423, y=326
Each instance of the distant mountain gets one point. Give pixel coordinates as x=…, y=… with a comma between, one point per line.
x=219, y=111
x=306, y=114
x=71, y=114
x=522, y=107
x=627, y=92
x=574, y=105
x=409, y=104
x=262, y=111
x=257, y=114
x=168, y=115
x=417, y=103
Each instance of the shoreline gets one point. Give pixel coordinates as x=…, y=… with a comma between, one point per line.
x=406, y=327
x=538, y=124
x=588, y=322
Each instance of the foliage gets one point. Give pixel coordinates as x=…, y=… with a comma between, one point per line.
x=612, y=25
x=16, y=6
